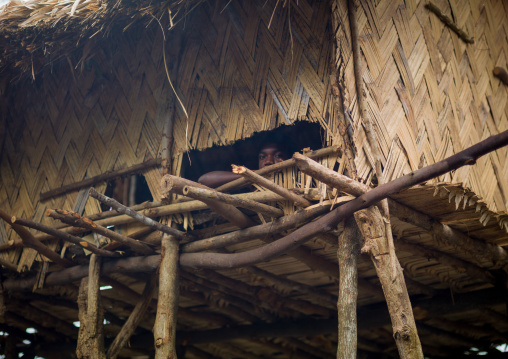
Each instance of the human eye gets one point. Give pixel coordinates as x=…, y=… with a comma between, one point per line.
x=261, y=156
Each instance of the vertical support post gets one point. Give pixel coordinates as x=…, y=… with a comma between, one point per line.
x=167, y=306
x=372, y=227
x=347, y=254
x=91, y=314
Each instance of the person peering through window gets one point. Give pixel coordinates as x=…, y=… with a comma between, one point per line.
x=268, y=154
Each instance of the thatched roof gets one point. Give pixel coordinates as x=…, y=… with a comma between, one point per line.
x=36, y=33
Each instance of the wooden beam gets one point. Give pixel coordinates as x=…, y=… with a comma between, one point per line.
x=473, y=247
x=329, y=221
x=99, y=178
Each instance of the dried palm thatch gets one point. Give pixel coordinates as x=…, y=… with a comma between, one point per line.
x=35, y=33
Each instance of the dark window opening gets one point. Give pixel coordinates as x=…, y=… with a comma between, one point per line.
x=128, y=191
x=292, y=138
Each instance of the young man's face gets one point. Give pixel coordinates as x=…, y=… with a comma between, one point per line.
x=270, y=154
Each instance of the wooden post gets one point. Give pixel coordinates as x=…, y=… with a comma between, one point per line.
x=372, y=226
x=167, y=306
x=91, y=314
x=347, y=254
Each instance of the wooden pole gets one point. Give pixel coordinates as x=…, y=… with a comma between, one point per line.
x=65, y=236
x=75, y=219
x=174, y=184
x=167, y=306
x=29, y=241
x=347, y=253
x=274, y=227
x=91, y=315
x=253, y=177
x=162, y=210
x=277, y=167
x=139, y=217
x=97, y=179
x=135, y=318
x=372, y=226
x=330, y=177
x=203, y=193
x=472, y=247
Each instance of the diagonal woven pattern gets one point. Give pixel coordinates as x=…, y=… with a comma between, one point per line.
x=429, y=94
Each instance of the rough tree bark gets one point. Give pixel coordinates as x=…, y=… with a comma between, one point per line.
x=91, y=315
x=372, y=226
x=167, y=306
x=347, y=253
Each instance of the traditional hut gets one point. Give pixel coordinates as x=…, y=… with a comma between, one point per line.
x=138, y=98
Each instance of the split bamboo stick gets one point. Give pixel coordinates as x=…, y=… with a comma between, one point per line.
x=258, y=179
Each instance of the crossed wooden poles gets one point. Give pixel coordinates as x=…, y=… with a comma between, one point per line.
x=363, y=207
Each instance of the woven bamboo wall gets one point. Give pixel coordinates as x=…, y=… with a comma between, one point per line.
x=430, y=94
x=104, y=107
